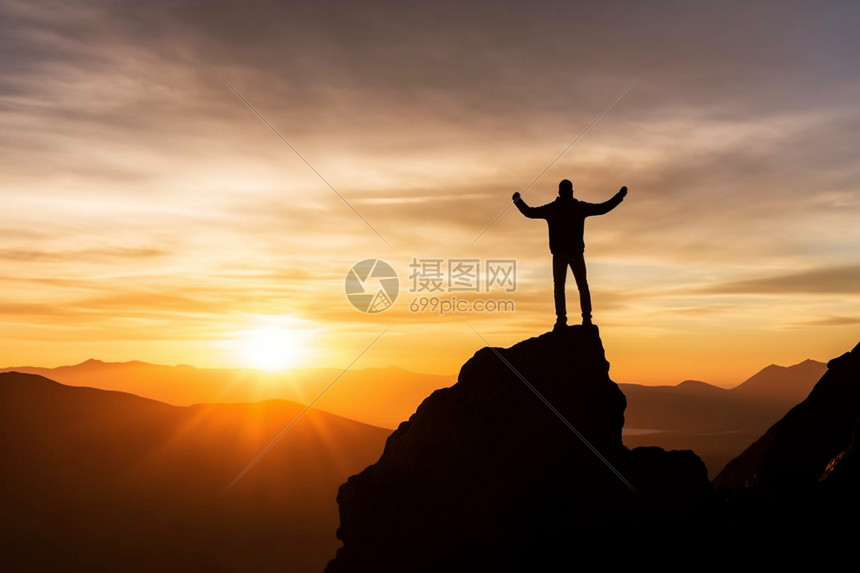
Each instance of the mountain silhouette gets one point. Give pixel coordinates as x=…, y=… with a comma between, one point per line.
x=97, y=480
x=717, y=423
x=394, y=392
x=483, y=475
x=789, y=384
x=487, y=476
x=685, y=416
x=802, y=475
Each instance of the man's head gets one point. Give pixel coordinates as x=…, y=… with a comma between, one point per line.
x=565, y=189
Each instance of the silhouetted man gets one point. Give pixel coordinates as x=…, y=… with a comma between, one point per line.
x=566, y=220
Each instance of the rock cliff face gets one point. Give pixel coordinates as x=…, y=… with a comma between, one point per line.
x=806, y=467
x=519, y=464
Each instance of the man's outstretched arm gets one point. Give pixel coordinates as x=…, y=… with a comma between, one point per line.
x=530, y=212
x=606, y=206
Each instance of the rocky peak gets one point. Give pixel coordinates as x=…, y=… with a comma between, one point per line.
x=522, y=455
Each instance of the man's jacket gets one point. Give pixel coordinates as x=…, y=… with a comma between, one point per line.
x=566, y=220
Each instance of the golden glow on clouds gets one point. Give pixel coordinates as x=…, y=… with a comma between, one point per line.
x=148, y=214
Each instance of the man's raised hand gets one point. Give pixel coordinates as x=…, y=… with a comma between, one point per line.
x=516, y=197
x=623, y=191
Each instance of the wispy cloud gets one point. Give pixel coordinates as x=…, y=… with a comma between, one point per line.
x=827, y=280
x=26, y=255
x=834, y=321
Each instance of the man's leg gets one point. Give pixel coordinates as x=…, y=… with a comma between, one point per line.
x=577, y=264
x=559, y=274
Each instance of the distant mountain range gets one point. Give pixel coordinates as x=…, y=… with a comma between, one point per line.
x=716, y=423
x=378, y=396
x=87, y=469
x=700, y=407
x=800, y=478
x=97, y=480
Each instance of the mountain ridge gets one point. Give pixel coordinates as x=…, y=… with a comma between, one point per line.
x=396, y=391
x=104, y=363
x=717, y=423
x=460, y=488
x=100, y=479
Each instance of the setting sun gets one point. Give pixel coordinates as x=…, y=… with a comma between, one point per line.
x=271, y=348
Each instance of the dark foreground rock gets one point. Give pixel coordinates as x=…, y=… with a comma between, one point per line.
x=489, y=474
x=803, y=474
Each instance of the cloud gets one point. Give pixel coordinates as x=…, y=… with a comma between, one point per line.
x=88, y=255
x=833, y=321
x=135, y=184
x=827, y=280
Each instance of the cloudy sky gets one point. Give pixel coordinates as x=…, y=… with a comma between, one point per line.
x=149, y=213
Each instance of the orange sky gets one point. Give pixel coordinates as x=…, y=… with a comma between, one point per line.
x=149, y=214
